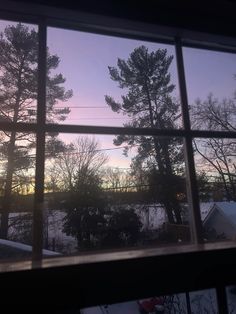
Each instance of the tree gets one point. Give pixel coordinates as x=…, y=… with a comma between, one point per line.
x=123, y=228
x=79, y=169
x=92, y=217
x=18, y=96
x=85, y=211
x=75, y=161
x=149, y=104
x=218, y=154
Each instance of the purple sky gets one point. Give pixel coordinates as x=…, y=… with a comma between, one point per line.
x=84, y=63
x=209, y=72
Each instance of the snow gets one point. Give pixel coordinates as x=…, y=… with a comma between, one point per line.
x=25, y=247
x=205, y=208
x=152, y=217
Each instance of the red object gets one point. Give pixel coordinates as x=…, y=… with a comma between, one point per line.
x=149, y=304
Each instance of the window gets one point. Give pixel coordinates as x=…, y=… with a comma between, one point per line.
x=111, y=142
x=76, y=180
x=190, y=302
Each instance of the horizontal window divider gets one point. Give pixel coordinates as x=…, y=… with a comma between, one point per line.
x=14, y=17
x=211, y=134
x=215, y=46
x=19, y=127
x=110, y=130
x=90, y=129
x=21, y=13
x=88, y=22
x=136, y=34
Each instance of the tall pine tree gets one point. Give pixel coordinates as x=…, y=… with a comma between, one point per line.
x=18, y=96
x=149, y=104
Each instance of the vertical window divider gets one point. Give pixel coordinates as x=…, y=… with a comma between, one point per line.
x=40, y=143
x=191, y=180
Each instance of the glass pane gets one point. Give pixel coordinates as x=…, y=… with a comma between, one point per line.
x=18, y=72
x=171, y=304
x=210, y=78
x=17, y=175
x=231, y=299
x=104, y=192
x=115, y=81
x=216, y=172
x=203, y=301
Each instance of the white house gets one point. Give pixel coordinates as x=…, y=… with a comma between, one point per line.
x=221, y=217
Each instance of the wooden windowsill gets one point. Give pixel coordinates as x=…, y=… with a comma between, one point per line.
x=116, y=255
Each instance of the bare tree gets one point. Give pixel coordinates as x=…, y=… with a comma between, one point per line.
x=78, y=160
x=218, y=154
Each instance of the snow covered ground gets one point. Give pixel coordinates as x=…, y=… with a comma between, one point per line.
x=25, y=247
x=152, y=217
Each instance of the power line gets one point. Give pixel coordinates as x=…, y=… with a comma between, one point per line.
x=102, y=118
x=83, y=152
x=83, y=107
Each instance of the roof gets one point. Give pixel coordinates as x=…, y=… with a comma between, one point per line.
x=205, y=208
x=227, y=209
x=16, y=250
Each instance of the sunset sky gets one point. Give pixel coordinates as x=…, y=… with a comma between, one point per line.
x=84, y=61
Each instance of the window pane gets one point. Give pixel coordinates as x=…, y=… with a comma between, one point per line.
x=115, y=81
x=99, y=195
x=175, y=303
x=203, y=301
x=210, y=78
x=231, y=299
x=17, y=174
x=18, y=72
x=216, y=171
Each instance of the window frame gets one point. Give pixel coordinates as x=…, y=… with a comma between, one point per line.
x=180, y=38
x=117, y=271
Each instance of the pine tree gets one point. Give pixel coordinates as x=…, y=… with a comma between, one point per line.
x=18, y=97
x=149, y=104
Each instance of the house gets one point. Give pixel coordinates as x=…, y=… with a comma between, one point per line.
x=221, y=220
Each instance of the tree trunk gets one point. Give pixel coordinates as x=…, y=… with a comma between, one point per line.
x=10, y=167
x=158, y=146
x=8, y=187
